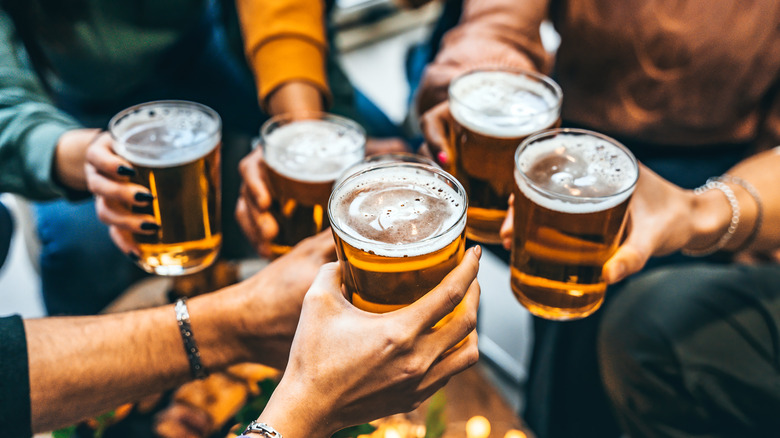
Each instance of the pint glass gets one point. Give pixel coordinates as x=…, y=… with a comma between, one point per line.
x=174, y=147
x=571, y=194
x=493, y=111
x=399, y=230
x=302, y=158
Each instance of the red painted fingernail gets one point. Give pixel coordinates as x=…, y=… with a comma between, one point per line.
x=442, y=157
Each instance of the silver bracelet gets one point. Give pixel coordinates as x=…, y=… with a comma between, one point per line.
x=713, y=183
x=263, y=429
x=190, y=347
x=759, y=207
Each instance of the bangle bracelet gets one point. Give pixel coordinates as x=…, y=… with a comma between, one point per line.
x=733, y=202
x=190, y=347
x=759, y=207
x=263, y=429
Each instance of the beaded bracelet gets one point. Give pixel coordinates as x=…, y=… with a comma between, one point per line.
x=713, y=183
x=190, y=347
x=759, y=207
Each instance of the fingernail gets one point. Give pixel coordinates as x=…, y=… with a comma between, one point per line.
x=478, y=251
x=442, y=157
x=144, y=197
x=125, y=171
x=133, y=256
x=150, y=226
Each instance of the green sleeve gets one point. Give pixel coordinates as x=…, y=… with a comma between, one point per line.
x=30, y=125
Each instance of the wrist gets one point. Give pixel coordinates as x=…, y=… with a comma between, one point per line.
x=71, y=156
x=214, y=327
x=711, y=215
x=295, y=413
x=295, y=97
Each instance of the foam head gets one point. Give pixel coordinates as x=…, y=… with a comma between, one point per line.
x=504, y=104
x=398, y=210
x=575, y=171
x=313, y=150
x=165, y=133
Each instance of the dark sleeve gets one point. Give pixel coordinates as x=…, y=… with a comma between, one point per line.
x=15, y=416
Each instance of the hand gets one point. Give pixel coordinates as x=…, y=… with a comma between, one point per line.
x=435, y=125
x=252, y=215
x=348, y=366
x=269, y=303
x=108, y=178
x=660, y=222
x=508, y=226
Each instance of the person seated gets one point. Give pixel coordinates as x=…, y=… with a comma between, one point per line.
x=692, y=101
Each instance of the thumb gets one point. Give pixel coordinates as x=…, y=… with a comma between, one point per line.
x=629, y=259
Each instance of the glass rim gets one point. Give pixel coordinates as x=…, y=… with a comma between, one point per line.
x=121, y=115
x=436, y=171
x=539, y=77
x=575, y=199
x=286, y=118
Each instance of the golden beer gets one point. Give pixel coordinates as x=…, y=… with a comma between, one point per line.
x=399, y=230
x=494, y=111
x=174, y=147
x=571, y=194
x=303, y=158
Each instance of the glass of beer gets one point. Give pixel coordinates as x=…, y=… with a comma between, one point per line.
x=303, y=157
x=399, y=230
x=174, y=147
x=571, y=194
x=493, y=111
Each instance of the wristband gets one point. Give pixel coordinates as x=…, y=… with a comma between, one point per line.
x=263, y=429
x=190, y=347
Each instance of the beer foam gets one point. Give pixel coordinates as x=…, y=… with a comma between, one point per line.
x=313, y=150
x=161, y=143
x=591, y=173
x=395, y=211
x=503, y=104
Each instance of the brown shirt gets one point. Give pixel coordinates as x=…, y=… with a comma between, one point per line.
x=673, y=72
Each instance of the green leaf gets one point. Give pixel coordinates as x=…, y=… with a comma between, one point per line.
x=435, y=418
x=65, y=432
x=254, y=407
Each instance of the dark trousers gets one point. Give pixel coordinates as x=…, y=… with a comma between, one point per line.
x=694, y=351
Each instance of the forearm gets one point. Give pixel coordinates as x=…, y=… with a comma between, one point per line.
x=70, y=157
x=295, y=97
x=497, y=33
x=84, y=366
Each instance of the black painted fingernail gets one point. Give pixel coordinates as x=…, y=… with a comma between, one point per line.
x=150, y=226
x=144, y=197
x=125, y=171
x=133, y=256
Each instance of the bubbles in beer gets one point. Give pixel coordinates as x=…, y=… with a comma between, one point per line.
x=397, y=206
x=576, y=166
x=503, y=104
x=166, y=136
x=313, y=150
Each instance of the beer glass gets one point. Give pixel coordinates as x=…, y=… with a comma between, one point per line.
x=399, y=230
x=303, y=156
x=174, y=147
x=493, y=111
x=571, y=194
